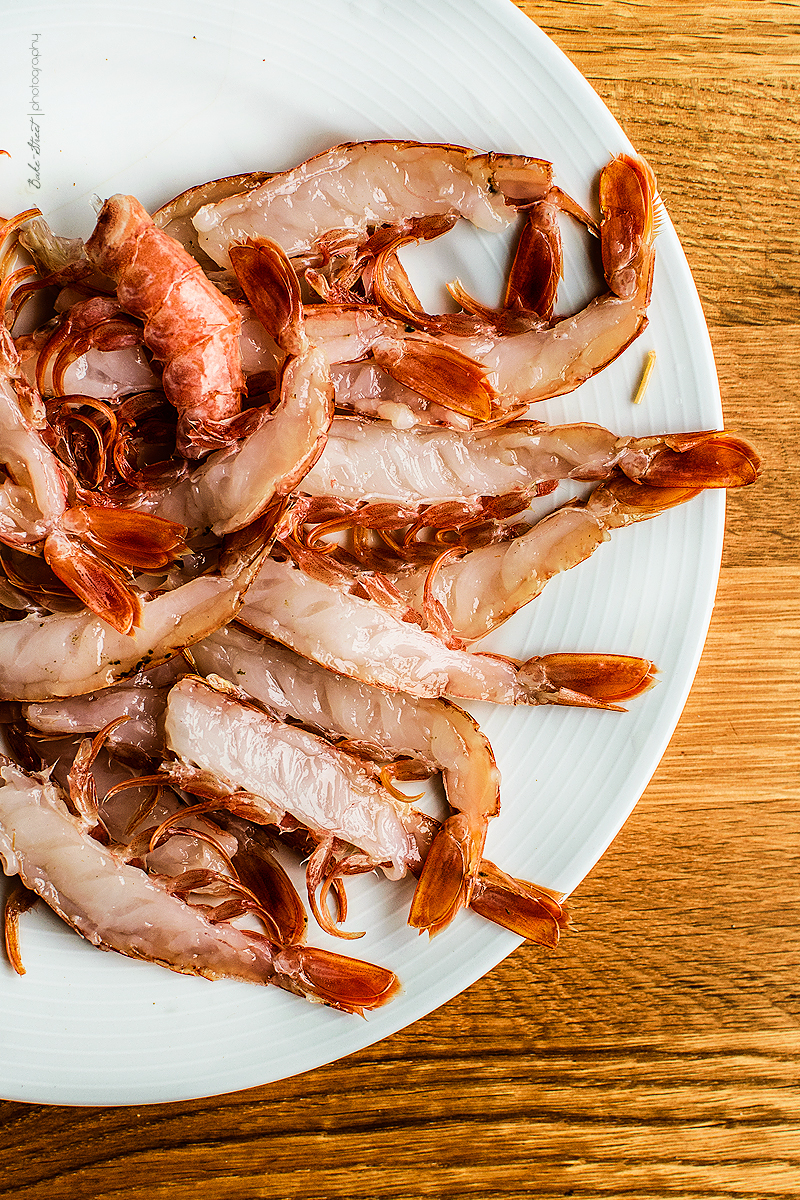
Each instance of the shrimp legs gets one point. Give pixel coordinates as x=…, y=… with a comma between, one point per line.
x=119, y=907
x=391, y=727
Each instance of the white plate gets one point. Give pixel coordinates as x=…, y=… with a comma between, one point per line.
x=151, y=99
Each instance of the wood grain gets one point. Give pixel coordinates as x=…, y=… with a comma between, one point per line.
x=656, y=1053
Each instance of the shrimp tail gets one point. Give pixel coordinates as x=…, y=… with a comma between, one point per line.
x=272, y=288
x=89, y=546
x=349, y=984
x=675, y=476
x=438, y=372
x=586, y=680
x=260, y=871
x=448, y=874
x=449, y=882
x=18, y=901
x=138, y=540
x=531, y=911
x=535, y=273
x=102, y=588
x=452, y=868
x=712, y=459
x=627, y=223
x=120, y=907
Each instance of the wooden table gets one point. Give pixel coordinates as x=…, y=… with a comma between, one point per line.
x=657, y=1052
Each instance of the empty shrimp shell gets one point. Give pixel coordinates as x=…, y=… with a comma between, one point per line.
x=289, y=770
x=113, y=905
x=45, y=657
x=358, y=184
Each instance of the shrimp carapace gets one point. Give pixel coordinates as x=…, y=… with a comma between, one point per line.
x=190, y=327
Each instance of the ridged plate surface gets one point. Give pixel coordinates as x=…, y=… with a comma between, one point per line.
x=152, y=98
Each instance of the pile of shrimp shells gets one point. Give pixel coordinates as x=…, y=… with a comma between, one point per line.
x=419, y=260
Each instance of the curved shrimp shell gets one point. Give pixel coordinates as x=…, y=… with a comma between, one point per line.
x=359, y=184
x=363, y=640
x=190, y=326
x=366, y=641
x=33, y=494
x=487, y=585
x=372, y=462
x=109, y=903
x=433, y=731
x=390, y=724
x=175, y=217
x=234, y=486
x=542, y=363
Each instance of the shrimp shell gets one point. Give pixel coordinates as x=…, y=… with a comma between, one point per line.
x=433, y=732
x=191, y=327
x=361, y=184
x=387, y=724
x=111, y=904
x=234, y=486
x=319, y=618
x=33, y=494
x=43, y=658
x=118, y=907
x=372, y=462
x=487, y=585
x=286, y=771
